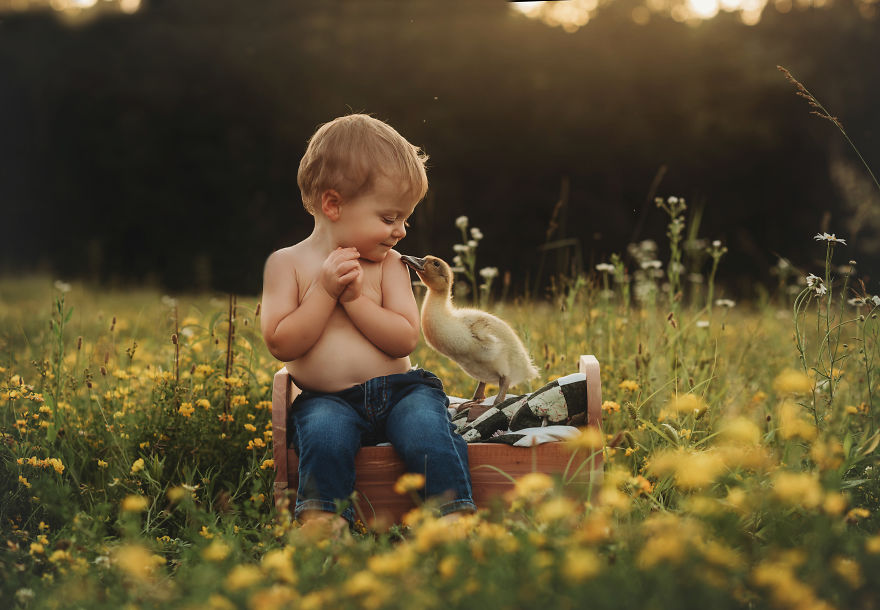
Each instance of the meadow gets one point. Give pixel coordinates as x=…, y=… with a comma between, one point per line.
x=741, y=451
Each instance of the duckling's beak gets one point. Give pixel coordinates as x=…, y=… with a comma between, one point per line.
x=413, y=262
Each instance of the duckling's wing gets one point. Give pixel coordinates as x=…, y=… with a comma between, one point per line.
x=485, y=333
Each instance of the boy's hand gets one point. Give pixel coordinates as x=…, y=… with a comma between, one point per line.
x=339, y=270
x=354, y=288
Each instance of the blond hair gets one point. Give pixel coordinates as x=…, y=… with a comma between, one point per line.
x=348, y=153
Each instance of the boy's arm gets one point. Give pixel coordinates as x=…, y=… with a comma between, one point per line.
x=292, y=325
x=393, y=327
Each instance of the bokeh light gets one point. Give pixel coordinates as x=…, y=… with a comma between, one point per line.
x=571, y=15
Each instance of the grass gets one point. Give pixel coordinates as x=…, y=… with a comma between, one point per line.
x=136, y=456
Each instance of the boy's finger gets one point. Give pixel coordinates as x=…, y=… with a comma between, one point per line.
x=349, y=277
x=345, y=254
x=346, y=266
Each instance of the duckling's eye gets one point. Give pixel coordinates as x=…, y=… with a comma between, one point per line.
x=436, y=264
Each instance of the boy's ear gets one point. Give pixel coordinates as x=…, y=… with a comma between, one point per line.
x=331, y=204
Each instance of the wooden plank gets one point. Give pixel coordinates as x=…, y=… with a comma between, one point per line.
x=492, y=466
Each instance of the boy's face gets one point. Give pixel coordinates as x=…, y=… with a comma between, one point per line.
x=374, y=222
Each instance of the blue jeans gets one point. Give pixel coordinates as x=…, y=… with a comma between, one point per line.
x=408, y=409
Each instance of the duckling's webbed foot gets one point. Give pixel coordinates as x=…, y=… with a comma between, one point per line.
x=480, y=392
x=502, y=391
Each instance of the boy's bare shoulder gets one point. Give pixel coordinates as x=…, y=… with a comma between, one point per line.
x=287, y=258
x=392, y=263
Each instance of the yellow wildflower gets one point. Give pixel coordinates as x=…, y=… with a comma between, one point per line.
x=276, y=596
x=872, y=545
x=856, y=514
x=685, y=404
x=363, y=583
x=740, y=431
x=243, y=577
x=218, y=602
x=216, y=551
x=393, y=563
x=433, y=532
x=692, y=469
x=849, y=570
x=279, y=563
x=134, y=504
x=580, y=565
x=410, y=481
x=627, y=385
x=792, y=424
x=532, y=484
x=202, y=370
x=834, y=504
x=203, y=403
x=137, y=466
x=589, y=438
x=791, y=381
x=232, y=382
x=186, y=409
x=250, y=427
x=136, y=561
x=37, y=548
x=610, y=406
x=175, y=494
x=448, y=567
x=238, y=400
x=23, y=481
x=555, y=509
x=102, y=464
x=256, y=443
x=798, y=488
x=267, y=464
x=59, y=555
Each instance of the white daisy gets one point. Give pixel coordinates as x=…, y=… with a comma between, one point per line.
x=829, y=238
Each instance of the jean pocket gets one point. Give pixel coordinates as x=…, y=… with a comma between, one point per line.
x=431, y=380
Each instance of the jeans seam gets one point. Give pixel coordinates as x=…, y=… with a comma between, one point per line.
x=324, y=506
x=456, y=505
x=464, y=472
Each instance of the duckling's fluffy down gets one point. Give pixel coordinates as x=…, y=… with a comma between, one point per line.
x=484, y=346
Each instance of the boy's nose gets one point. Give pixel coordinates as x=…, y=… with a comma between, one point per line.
x=399, y=231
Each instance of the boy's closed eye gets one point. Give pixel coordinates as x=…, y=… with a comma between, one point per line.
x=391, y=220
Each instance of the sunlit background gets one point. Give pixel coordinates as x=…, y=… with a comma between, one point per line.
x=571, y=15
x=157, y=140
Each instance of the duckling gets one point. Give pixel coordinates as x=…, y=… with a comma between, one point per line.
x=484, y=346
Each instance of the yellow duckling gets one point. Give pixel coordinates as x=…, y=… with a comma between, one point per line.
x=484, y=346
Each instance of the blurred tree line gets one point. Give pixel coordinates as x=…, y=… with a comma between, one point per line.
x=163, y=146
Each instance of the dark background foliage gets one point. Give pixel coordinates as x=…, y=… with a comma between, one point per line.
x=163, y=146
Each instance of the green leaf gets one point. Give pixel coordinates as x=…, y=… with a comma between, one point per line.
x=874, y=441
x=853, y=483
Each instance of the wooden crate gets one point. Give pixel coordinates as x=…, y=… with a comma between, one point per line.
x=492, y=465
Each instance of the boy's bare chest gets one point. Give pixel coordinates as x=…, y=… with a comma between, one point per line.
x=372, y=279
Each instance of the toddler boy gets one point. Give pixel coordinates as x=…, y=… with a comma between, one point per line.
x=338, y=308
